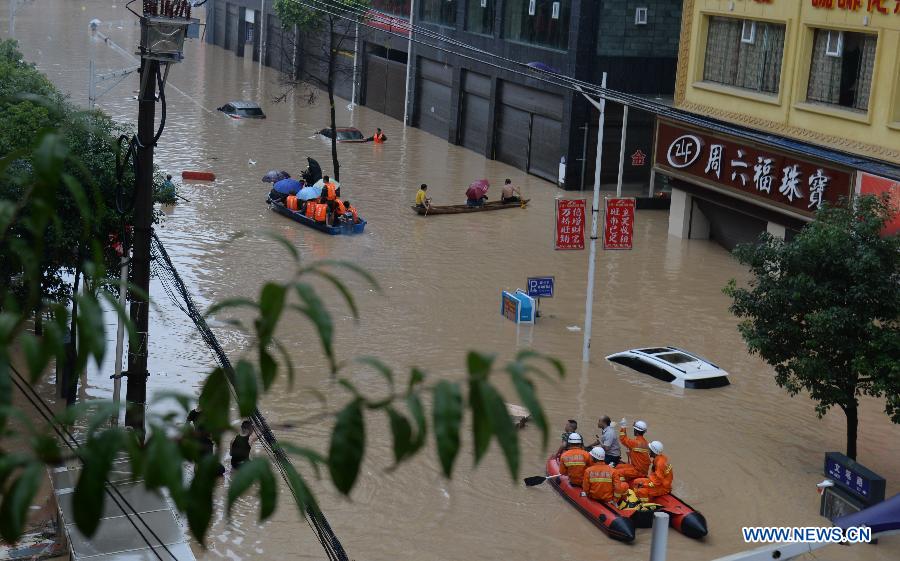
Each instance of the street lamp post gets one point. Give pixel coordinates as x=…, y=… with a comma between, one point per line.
x=595, y=214
x=409, y=60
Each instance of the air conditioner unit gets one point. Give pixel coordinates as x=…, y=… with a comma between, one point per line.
x=748, y=32
x=834, y=45
x=640, y=16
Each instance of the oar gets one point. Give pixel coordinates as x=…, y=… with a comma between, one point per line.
x=182, y=198
x=538, y=479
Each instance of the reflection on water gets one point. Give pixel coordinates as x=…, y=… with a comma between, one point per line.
x=746, y=454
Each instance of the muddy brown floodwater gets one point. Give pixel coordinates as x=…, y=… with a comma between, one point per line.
x=744, y=455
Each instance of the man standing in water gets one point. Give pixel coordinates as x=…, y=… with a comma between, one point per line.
x=242, y=444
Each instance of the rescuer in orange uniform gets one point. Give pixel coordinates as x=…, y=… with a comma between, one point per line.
x=638, y=454
x=660, y=480
x=574, y=460
x=378, y=138
x=599, y=481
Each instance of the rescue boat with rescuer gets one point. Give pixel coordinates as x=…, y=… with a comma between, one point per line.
x=619, y=524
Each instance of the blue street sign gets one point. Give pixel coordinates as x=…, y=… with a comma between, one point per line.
x=540, y=287
x=854, y=477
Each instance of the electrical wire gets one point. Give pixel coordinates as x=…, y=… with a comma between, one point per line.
x=164, y=270
x=72, y=443
x=565, y=82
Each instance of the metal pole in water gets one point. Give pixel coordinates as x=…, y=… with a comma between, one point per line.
x=120, y=334
x=622, y=151
x=595, y=213
x=660, y=536
x=355, y=56
x=91, y=84
x=409, y=61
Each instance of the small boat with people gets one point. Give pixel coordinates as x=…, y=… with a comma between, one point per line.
x=314, y=201
x=461, y=209
x=619, y=524
x=476, y=200
x=344, y=228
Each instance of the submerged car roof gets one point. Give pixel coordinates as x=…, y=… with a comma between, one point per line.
x=244, y=104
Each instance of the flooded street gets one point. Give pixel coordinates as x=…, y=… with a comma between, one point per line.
x=743, y=455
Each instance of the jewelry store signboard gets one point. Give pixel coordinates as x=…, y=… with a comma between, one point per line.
x=757, y=172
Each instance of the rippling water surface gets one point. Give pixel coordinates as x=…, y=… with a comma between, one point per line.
x=744, y=455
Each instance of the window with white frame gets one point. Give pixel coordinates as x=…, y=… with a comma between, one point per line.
x=640, y=16
x=744, y=53
x=840, y=71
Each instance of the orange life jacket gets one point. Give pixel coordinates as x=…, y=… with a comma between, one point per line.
x=661, y=476
x=598, y=482
x=352, y=210
x=321, y=211
x=292, y=203
x=638, y=451
x=339, y=207
x=378, y=138
x=310, y=209
x=573, y=462
x=330, y=191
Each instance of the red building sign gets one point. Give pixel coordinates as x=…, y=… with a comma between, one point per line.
x=737, y=166
x=880, y=186
x=618, y=224
x=570, y=220
x=871, y=6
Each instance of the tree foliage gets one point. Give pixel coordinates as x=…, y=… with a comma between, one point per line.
x=823, y=309
x=321, y=32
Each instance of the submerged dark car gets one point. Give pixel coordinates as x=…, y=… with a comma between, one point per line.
x=242, y=110
x=345, y=134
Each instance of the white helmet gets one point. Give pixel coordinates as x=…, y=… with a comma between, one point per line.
x=598, y=453
x=575, y=438
x=656, y=447
x=640, y=425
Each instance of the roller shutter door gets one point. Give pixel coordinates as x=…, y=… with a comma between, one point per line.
x=512, y=136
x=730, y=227
x=475, y=112
x=530, y=130
x=435, y=80
x=219, y=15
x=545, y=147
x=230, y=26
x=384, y=85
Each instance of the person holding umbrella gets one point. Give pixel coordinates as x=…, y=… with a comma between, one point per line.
x=284, y=188
x=476, y=194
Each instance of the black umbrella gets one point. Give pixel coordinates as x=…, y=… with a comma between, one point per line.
x=313, y=172
x=274, y=176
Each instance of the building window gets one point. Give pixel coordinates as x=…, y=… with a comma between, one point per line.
x=840, y=72
x=744, y=54
x=480, y=16
x=539, y=22
x=441, y=12
x=393, y=7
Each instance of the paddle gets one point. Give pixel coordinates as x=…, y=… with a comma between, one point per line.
x=538, y=479
x=182, y=198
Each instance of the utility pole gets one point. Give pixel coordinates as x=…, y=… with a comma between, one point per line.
x=136, y=392
x=163, y=29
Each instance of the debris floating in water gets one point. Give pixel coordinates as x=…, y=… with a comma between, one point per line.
x=573, y=328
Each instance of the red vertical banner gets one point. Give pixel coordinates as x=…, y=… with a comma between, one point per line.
x=570, y=220
x=618, y=224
